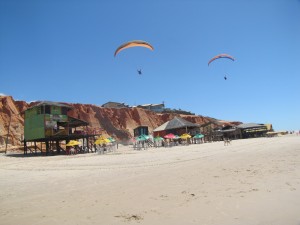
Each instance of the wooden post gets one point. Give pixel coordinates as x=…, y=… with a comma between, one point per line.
x=47, y=147
x=87, y=143
x=57, y=147
x=83, y=142
x=25, y=147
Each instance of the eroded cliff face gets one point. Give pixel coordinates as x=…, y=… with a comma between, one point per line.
x=10, y=117
x=121, y=122
x=113, y=122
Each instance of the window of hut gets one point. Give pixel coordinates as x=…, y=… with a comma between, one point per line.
x=47, y=109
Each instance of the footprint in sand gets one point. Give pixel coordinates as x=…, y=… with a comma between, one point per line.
x=190, y=194
x=165, y=197
x=132, y=217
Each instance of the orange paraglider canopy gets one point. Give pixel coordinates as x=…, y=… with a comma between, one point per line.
x=221, y=56
x=135, y=43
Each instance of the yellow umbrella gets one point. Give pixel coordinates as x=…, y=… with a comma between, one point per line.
x=72, y=143
x=185, y=136
x=101, y=141
x=102, y=137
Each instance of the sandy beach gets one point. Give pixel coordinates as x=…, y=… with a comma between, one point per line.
x=252, y=181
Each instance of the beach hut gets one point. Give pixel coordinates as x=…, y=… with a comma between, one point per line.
x=49, y=124
x=140, y=130
x=251, y=130
x=177, y=126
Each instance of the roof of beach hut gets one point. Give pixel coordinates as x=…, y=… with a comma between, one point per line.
x=176, y=123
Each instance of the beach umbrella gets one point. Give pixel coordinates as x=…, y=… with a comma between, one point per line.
x=111, y=139
x=146, y=136
x=142, y=138
x=170, y=136
x=101, y=140
x=199, y=136
x=158, y=138
x=185, y=136
x=73, y=143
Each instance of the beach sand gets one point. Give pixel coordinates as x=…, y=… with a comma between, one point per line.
x=252, y=181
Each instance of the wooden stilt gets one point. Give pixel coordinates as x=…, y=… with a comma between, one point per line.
x=47, y=147
x=87, y=144
x=25, y=147
x=35, y=147
x=57, y=147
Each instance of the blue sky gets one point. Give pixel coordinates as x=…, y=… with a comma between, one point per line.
x=63, y=50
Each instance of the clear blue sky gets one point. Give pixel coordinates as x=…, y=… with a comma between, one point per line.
x=63, y=50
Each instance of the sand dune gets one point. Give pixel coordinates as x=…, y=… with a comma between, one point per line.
x=255, y=181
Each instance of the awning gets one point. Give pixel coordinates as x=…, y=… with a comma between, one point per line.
x=73, y=122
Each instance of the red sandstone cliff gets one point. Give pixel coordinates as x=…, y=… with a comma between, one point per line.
x=117, y=122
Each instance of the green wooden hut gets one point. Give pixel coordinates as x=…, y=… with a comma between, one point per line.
x=43, y=120
x=49, y=122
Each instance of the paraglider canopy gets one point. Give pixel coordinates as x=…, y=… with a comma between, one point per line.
x=135, y=43
x=221, y=56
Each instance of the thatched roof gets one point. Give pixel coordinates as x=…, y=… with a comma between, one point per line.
x=176, y=123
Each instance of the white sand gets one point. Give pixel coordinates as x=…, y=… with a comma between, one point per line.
x=254, y=181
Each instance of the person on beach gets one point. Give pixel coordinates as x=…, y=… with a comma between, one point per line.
x=227, y=141
x=72, y=151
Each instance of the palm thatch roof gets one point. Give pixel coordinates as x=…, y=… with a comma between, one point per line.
x=175, y=123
